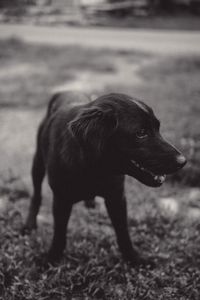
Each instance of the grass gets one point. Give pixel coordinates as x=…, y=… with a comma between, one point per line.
x=30, y=72
x=42, y=68
x=92, y=267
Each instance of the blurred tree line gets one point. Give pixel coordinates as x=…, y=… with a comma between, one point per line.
x=15, y=3
x=167, y=6
x=150, y=6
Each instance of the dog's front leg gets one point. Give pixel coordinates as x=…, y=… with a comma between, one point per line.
x=61, y=213
x=117, y=212
x=116, y=207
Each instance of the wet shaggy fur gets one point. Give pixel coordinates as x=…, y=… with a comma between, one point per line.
x=86, y=147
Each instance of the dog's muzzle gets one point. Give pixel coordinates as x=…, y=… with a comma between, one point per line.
x=154, y=173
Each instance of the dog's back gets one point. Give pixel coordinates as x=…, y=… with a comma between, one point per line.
x=61, y=109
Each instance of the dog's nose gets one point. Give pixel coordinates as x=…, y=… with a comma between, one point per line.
x=181, y=160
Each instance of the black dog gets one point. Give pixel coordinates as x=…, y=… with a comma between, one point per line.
x=86, y=150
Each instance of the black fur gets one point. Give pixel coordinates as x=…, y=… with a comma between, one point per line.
x=86, y=150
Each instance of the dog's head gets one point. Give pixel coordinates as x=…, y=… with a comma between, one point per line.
x=122, y=135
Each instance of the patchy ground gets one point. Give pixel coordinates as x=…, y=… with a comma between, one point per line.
x=164, y=223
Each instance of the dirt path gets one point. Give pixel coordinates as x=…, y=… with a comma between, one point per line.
x=163, y=42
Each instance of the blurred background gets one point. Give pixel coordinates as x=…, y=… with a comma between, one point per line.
x=149, y=49
x=134, y=13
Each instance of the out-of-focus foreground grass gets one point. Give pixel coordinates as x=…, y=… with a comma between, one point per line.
x=164, y=223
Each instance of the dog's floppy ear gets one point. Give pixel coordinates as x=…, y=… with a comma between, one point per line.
x=93, y=126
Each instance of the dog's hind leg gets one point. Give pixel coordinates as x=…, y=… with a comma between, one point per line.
x=61, y=213
x=38, y=173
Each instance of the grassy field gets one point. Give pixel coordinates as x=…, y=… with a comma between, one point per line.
x=164, y=223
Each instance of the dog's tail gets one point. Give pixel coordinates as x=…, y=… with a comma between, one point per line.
x=66, y=99
x=53, y=104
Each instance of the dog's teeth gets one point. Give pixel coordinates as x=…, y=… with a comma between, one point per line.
x=160, y=178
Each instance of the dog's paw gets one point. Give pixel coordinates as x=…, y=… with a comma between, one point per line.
x=41, y=262
x=90, y=204
x=28, y=228
x=141, y=261
x=136, y=260
x=53, y=257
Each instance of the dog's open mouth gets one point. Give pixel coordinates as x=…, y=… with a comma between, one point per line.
x=158, y=178
x=144, y=175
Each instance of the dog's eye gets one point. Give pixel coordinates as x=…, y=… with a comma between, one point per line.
x=141, y=134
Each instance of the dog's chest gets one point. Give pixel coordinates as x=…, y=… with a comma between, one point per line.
x=88, y=187
x=83, y=188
